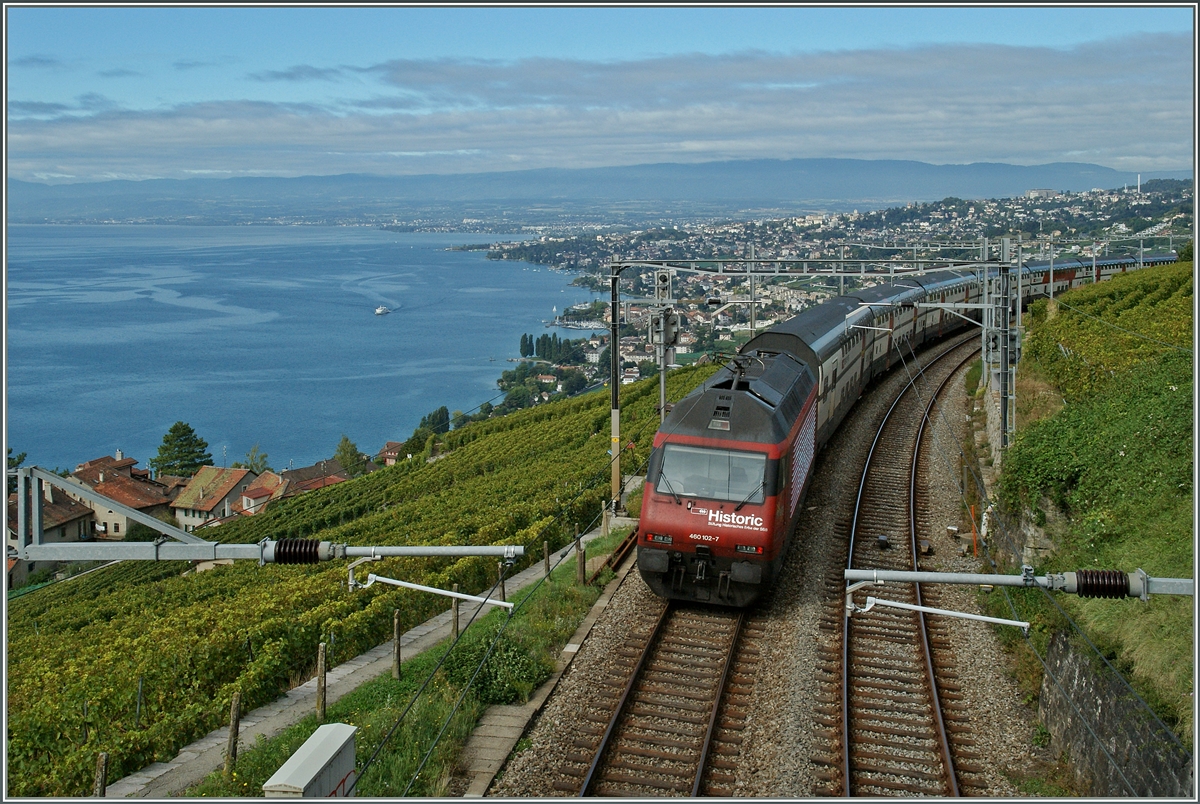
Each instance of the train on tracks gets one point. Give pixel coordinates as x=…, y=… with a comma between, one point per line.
x=731, y=463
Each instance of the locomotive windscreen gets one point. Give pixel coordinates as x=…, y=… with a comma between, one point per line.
x=715, y=474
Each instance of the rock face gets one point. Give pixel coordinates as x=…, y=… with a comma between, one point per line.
x=1117, y=747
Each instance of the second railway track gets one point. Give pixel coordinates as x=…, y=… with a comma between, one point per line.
x=890, y=691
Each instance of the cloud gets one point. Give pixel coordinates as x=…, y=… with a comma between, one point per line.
x=1126, y=104
x=38, y=61
x=185, y=64
x=300, y=72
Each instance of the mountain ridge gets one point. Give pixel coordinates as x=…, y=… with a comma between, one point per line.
x=708, y=186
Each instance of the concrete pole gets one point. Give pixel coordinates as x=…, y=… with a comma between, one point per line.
x=546, y=556
x=753, y=304
x=500, y=579
x=614, y=382
x=454, y=610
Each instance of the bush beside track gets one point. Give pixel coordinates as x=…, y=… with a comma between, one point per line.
x=76, y=650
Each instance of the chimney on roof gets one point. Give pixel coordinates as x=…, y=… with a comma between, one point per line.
x=102, y=477
x=48, y=493
x=120, y=455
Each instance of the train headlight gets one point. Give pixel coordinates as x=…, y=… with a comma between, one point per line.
x=660, y=538
x=749, y=548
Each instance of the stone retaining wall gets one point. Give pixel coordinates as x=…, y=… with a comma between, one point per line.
x=1116, y=747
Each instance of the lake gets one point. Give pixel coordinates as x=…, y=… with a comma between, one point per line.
x=254, y=335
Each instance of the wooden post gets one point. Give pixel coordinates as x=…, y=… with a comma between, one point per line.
x=580, y=558
x=603, y=519
x=137, y=713
x=100, y=786
x=546, y=555
x=454, y=609
x=321, y=683
x=500, y=576
x=396, y=643
x=235, y=718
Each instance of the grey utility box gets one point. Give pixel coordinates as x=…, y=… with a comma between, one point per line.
x=321, y=768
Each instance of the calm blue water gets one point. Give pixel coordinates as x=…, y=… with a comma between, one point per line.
x=252, y=335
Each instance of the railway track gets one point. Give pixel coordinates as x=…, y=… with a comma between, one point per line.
x=890, y=698
x=677, y=703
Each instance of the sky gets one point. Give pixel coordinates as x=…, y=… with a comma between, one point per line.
x=96, y=93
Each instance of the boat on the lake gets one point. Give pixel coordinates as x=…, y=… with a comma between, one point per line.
x=381, y=310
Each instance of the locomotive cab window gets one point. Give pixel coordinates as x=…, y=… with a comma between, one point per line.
x=715, y=474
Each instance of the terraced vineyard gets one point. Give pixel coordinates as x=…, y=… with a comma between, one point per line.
x=77, y=650
x=1100, y=330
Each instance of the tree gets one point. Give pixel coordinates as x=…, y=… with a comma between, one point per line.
x=13, y=463
x=182, y=452
x=1185, y=255
x=347, y=454
x=255, y=461
x=438, y=421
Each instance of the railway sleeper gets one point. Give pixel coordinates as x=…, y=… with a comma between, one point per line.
x=723, y=764
x=620, y=764
x=652, y=739
x=691, y=647
x=718, y=792
x=672, y=676
x=639, y=709
x=865, y=687
x=884, y=784
x=624, y=778
x=694, y=693
x=663, y=663
x=727, y=778
x=878, y=716
x=880, y=734
x=566, y=787
x=665, y=702
x=582, y=759
x=652, y=753
x=917, y=778
x=931, y=761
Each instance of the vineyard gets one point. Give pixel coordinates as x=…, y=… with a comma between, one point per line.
x=1117, y=461
x=1083, y=339
x=79, y=651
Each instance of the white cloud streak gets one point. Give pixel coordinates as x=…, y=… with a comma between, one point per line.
x=1127, y=104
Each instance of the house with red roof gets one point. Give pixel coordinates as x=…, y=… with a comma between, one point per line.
x=210, y=494
x=266, y=487
x=117, y=478
x=63, y=520
x=390, y=452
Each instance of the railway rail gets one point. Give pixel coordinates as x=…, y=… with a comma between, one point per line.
x=677, y=704
x=890, y=693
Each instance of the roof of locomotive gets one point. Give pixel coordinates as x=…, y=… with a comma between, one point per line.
x=756, y=397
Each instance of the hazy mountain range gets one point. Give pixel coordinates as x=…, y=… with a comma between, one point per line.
x=548, y=195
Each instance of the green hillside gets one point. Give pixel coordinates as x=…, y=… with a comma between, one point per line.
x=76, y=650
x=1117, y=461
